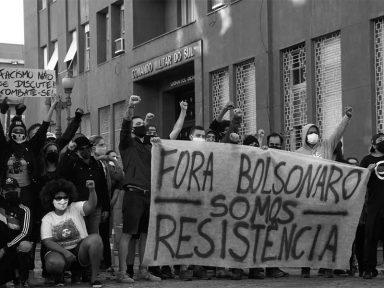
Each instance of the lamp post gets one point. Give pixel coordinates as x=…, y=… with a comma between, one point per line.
x=67, y=82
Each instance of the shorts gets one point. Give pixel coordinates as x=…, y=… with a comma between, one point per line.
x=136, y=211
x=74, y=251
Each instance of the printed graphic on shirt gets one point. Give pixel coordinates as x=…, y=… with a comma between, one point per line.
x=18, y=169
x=12, y=222
x=317, y=154
x=66, y=234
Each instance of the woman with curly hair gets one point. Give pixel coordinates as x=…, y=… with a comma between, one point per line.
x=64, y=234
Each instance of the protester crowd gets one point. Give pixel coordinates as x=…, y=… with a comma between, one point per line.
x=61, y=192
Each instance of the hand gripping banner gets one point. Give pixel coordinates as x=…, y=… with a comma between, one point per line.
x=238, y=206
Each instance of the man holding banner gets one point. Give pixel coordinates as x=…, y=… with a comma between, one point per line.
x=312, y=145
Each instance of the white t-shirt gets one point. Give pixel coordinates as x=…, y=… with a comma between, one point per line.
x=68, y=229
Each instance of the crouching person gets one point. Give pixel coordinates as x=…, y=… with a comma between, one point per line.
x=15, y=228
x=64, y=234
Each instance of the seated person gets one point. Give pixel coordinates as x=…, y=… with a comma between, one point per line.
x=64, y=234
x=15, y=230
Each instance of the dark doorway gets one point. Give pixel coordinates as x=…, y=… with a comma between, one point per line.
x=187, y=93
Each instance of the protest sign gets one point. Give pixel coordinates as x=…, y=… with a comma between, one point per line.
x=23, y=82
x=240, y=206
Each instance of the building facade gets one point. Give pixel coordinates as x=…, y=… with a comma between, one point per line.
x=284, y=62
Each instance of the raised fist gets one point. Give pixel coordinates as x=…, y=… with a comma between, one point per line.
x=72, y=145
x=348, y=111
x=234, y=137
x=150, y=116
x=79, y=113
x=90, y=184
x=184, y=105
x=134, y=99
x=20, y=108
x=4, y=106
x=237, y=113
x=229, y=106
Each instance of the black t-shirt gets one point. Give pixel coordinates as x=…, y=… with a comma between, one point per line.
x=375, y=191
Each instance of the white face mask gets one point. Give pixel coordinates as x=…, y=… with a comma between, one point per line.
x=198, y=139
x=100, y=150
x=61, y=204
x=313, y=138
x=18, y=137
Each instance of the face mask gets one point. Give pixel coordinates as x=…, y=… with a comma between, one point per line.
x=60, y=204
x=380, y=146
x=52, y=157
x=12, y=197
x=18, y=138
x=313, y=138
x=100, y=150
x=198, y=139
x=139, y=131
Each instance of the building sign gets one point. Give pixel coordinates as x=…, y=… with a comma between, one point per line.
x=167, y=61
x=182, y=81
x=21, y=82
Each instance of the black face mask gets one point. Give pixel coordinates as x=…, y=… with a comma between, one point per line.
x=380, y=146
x=12, y=197
x=52, y=157
x=85, y=154
x=139, y=131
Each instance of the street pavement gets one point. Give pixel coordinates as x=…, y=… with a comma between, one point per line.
x=294, y=281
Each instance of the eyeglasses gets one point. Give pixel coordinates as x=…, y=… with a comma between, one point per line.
x=59, y=198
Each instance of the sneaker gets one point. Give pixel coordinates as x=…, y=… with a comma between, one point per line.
x=186, y=275
x=121, y=277
x=96, y=284
x=221, y=273
x=145, y=275
x=276, y=272
x=367, y=275
x=167, y=272
x=156, y=271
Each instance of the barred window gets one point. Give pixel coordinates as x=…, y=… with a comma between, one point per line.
x=220, y=91
x=118, y=115
x=379, y=72
x=328, y=83
x=246, y=96
x=104, y=126
x=295, y=95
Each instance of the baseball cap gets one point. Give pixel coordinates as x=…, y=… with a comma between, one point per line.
x=377, y=138
x=10, y=183
x=50, y=136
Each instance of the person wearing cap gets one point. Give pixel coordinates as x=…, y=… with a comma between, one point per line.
x=78, y=165
x=371, y=223
x=313, y=145
x=15, y=231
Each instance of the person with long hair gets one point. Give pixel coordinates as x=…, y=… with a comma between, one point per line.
x=64, y=234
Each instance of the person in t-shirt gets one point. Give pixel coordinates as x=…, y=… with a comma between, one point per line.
x=64, y=234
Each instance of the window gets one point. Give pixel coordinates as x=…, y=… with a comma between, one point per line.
x=295, y=95
x=43, y=4
x=71, y=57
x=215, y=5
x=379, y=72
x=104, y=125
x=246, y=96
x=85, y=126
x=102, y=36
x=118, y=29
x=187, y=11
x=45, y=57
x=219, y=91
x=118, y=115
x=328, y=83
x=87, y=48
